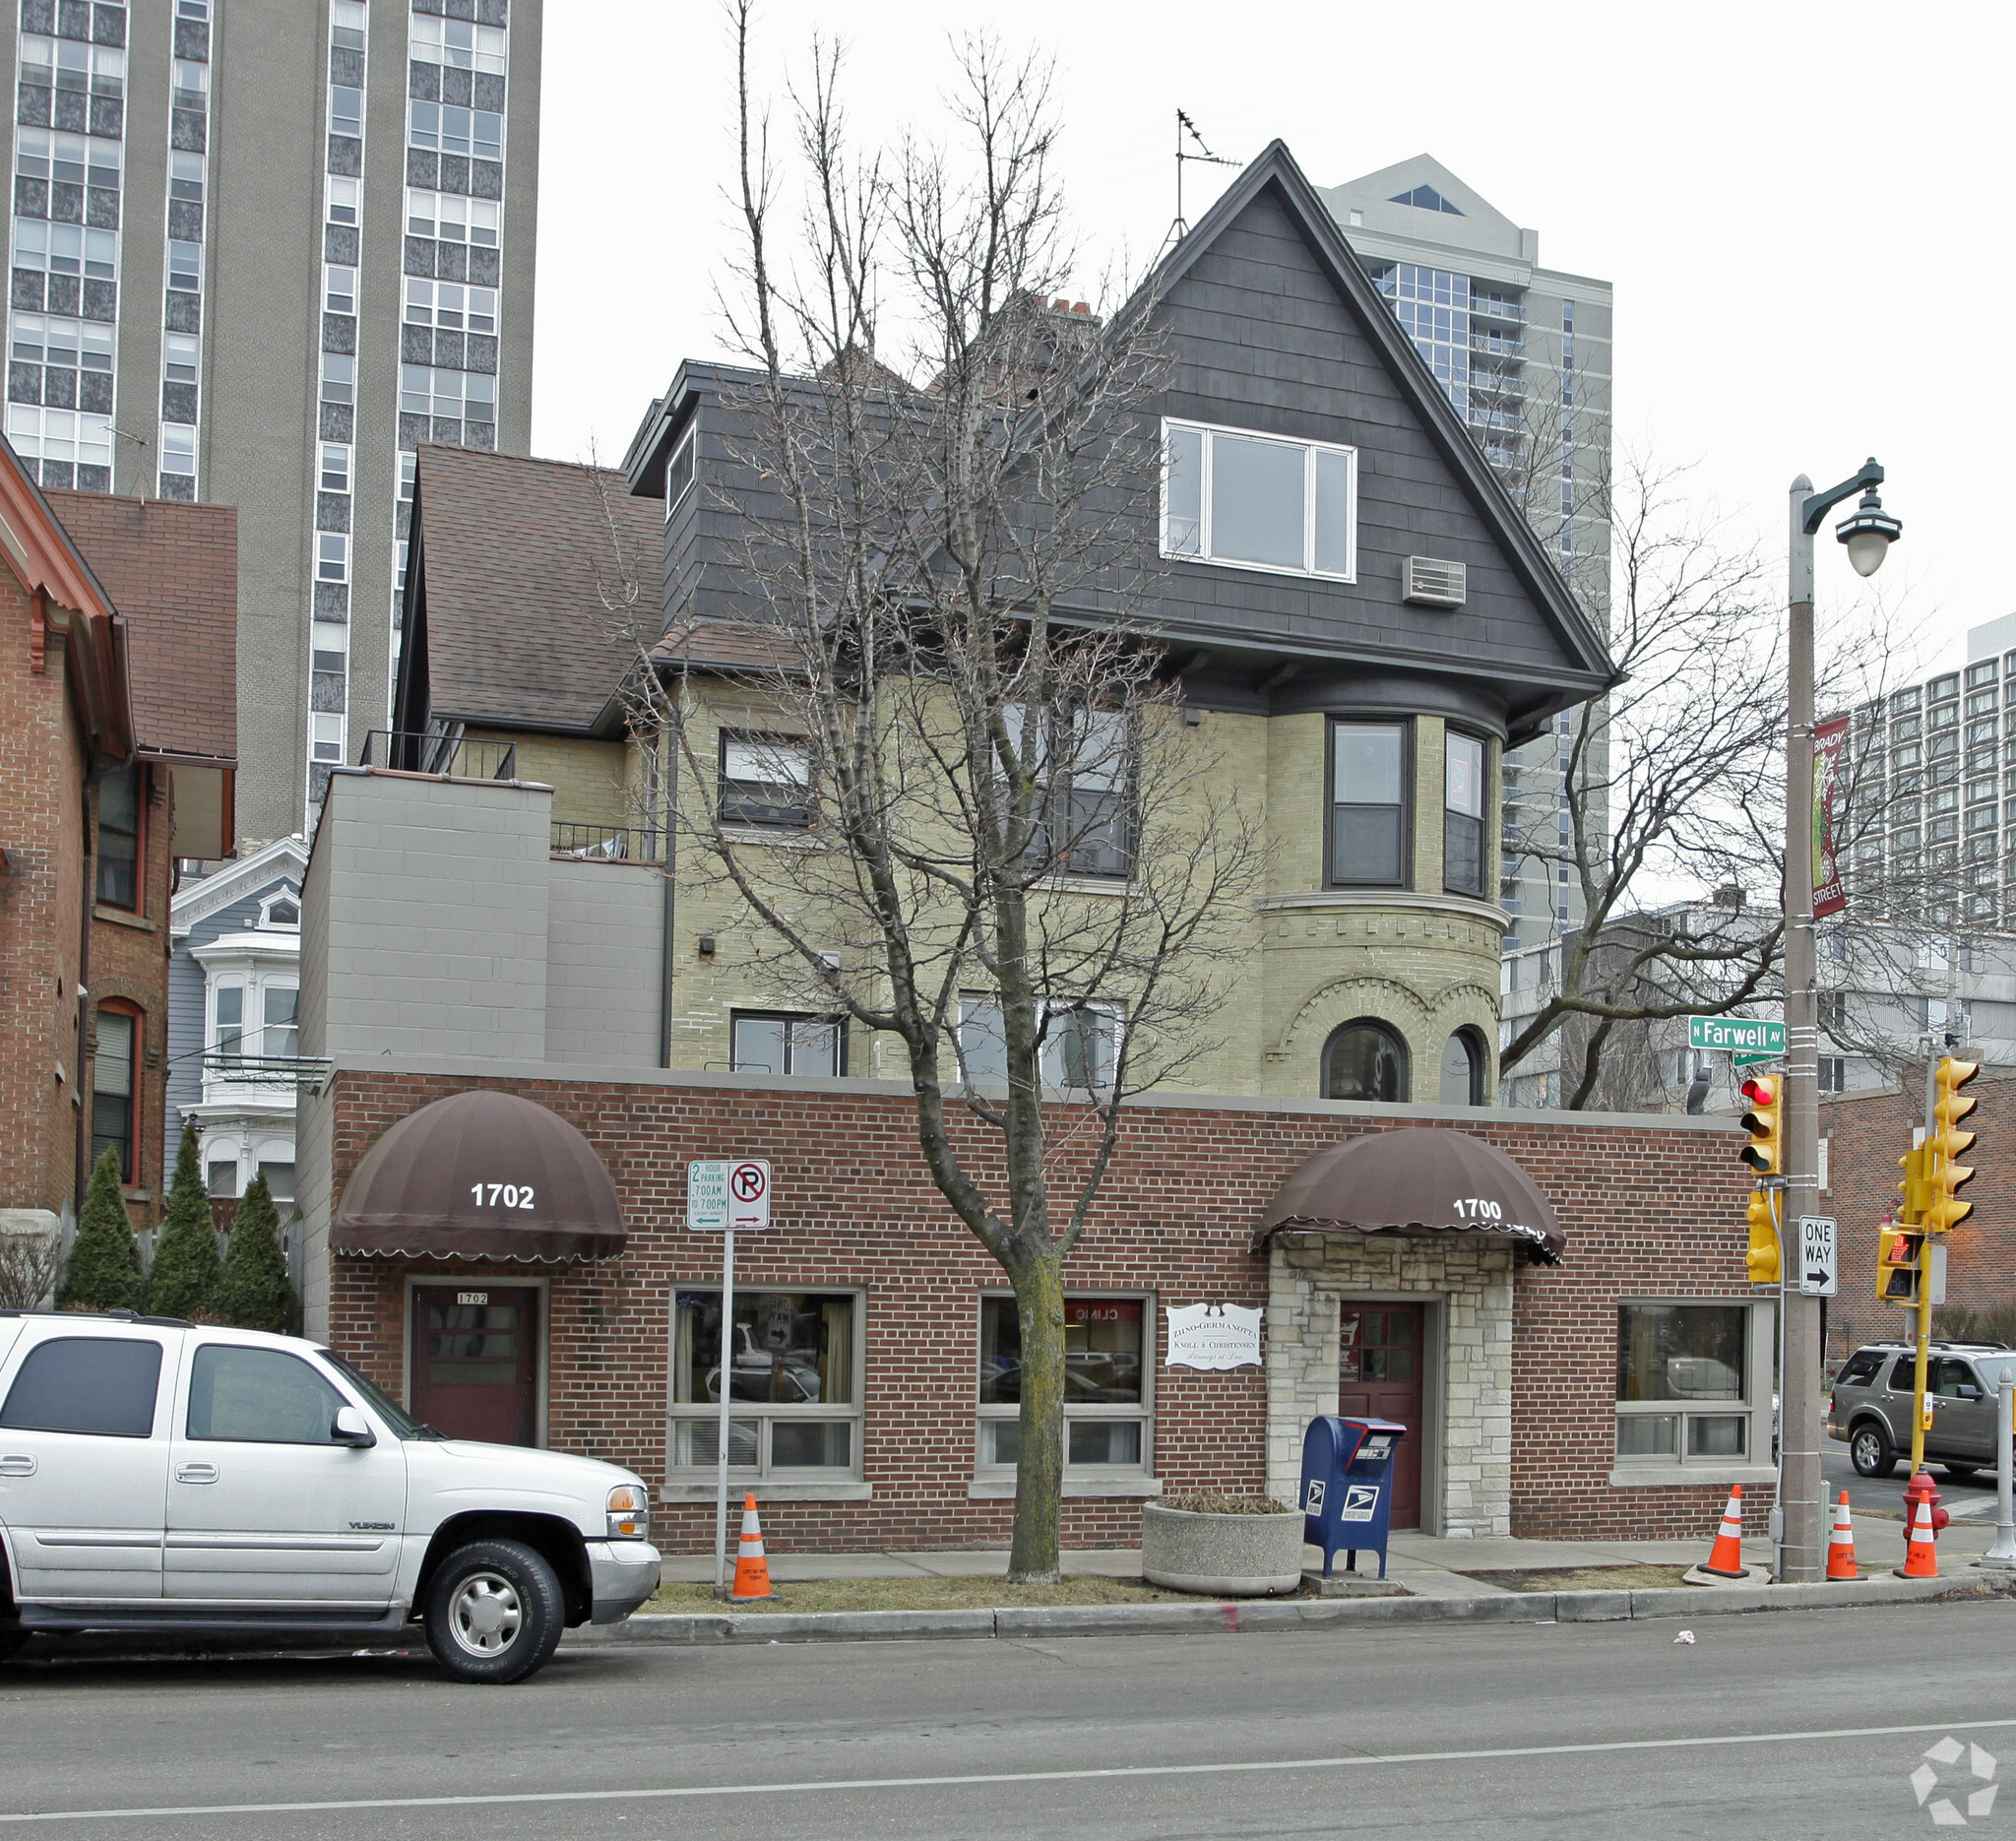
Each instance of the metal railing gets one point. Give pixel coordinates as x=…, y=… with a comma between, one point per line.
x=593, y=842
x=457, y=756
x=274, y=1071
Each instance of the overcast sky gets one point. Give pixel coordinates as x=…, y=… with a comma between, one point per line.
x=1799, y=207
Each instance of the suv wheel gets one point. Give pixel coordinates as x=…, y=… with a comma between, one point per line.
x=12, y=1642
x=1869, y=1448
x=494, y=1611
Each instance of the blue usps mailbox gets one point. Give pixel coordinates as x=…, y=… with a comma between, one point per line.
x=1348, y=1486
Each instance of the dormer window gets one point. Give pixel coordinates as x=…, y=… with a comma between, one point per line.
x=280, y=911
x=1257, y=501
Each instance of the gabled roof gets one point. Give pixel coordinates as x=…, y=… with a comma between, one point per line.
x=1275, y=174
x=172, y=569
x=514, y=566
x=283, y=861
x=47, y=562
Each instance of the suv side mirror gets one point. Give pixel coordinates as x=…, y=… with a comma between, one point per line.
x=350, y=1428
x=1970, y=1392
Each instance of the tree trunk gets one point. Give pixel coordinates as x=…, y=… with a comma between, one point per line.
x=1040, y=1472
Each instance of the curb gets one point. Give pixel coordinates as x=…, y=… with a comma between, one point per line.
x=1262, y=1614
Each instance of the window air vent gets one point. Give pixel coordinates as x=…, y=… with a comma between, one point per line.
x=1432, y=584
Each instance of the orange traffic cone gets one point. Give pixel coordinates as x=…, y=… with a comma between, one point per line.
x=1921, y=1557
x=1726, y=1559
x=1841, y=1544
x=752, y=1571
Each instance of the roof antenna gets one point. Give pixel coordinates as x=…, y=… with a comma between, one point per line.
x=1184, y=125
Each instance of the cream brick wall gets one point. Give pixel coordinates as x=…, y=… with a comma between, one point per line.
x=1310, y=957
x=590, y=779
x=1467, y=1473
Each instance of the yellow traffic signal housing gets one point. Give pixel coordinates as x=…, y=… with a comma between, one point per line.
x=1913, y=1189
x=1762, y=1258
x=1945, y=1174
x=1765, y=1122
x=1896, y=1265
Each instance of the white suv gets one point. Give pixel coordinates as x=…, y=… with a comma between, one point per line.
x=157, y=1475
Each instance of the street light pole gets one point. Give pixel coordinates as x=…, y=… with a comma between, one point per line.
x=1803, y=1530
x=1802, y=1554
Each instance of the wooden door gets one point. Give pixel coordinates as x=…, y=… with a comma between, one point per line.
x=1379, y=1366
x=475, y=1360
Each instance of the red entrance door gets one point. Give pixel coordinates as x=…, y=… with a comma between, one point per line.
x=1379, y=1376
x=475, y=1360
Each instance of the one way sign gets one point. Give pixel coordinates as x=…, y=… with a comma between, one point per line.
x=1818, y=1262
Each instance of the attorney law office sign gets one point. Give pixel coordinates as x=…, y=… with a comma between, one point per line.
x=1212, y=1336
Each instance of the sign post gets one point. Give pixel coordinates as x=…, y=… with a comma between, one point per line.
x=721, y=1196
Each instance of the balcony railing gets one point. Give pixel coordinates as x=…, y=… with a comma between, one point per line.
x=616, y=843
x=457, y=756
x=1499, y=345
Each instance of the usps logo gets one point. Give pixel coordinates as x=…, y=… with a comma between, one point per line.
x=1314, y=1505
x=1360, y=1501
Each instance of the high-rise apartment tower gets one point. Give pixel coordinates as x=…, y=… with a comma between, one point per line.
x=262, y=250
x=1524, y=354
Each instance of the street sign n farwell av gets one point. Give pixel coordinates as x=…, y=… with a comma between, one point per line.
x=1744, y=1039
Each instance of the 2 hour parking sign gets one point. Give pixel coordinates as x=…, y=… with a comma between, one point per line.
x=728, y=1194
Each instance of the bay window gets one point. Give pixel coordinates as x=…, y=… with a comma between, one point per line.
x=1463, y=814
x=1109, y=1420
x=1368, y=780
x=1259, y=501
x=792, y=1377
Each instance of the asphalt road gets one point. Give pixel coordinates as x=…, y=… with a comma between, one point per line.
x=1976, y=1500
x=1791, y=1724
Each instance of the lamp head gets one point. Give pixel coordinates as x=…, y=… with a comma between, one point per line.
x=1868, y=534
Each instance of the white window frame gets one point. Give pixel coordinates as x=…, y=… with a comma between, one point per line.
x=685, y=447
x=764, y=1471
x=1076, y=1477
x=1754, y=1406
x=1309, y=450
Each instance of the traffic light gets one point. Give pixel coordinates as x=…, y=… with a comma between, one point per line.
x=1765, y=1122
x=1896, y=1265
x=1762, y=1258
x=1945, y=1174
x=1912, y=1208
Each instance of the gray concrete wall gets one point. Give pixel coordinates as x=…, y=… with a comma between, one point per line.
x=605, y=924
x=425, y=930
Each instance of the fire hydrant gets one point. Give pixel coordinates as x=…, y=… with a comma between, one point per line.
x=1921, y=1489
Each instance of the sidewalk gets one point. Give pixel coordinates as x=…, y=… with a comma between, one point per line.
x=1428, y=1566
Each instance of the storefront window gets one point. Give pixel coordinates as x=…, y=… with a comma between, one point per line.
x=792, y=1382
x=1684, y=1383
x=1106, y=1418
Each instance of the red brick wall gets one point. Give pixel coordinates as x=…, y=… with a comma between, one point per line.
x=41, y=832
x=1866, y=1135
x=1649, y=1212
x=128, y=959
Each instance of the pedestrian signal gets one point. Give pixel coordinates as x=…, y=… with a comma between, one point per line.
x=1896, y=1265
x=1765, y=1122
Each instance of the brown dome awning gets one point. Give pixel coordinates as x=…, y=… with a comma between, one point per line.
x=1421, y=1183
x=480, y=1176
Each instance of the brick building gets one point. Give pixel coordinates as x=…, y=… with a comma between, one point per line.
x=117, y=757
x=1866, y=1132
x=445, y=948
x=1515, y=1384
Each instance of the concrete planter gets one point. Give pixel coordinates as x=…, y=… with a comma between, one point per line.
x=1222, y=1555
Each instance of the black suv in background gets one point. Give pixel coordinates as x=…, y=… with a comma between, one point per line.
x=1870, y=1406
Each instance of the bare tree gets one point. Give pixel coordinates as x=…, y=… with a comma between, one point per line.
x=1023, y=871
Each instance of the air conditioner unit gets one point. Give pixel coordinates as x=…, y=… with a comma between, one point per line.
x=1433, y=584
